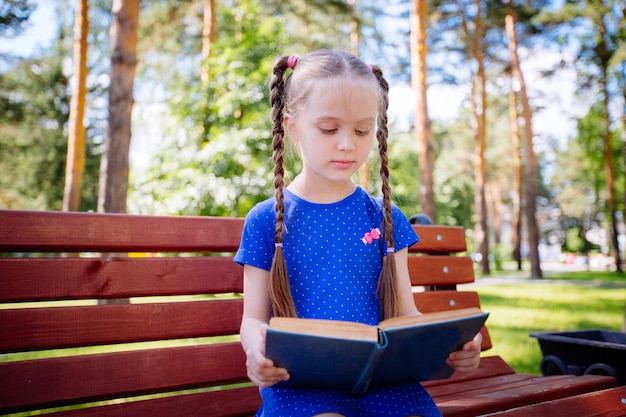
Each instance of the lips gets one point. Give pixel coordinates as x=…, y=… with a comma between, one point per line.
x=343, y=164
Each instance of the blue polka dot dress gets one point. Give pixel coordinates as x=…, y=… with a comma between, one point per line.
x=333, y=255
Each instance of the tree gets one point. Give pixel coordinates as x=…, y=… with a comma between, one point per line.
x=516, y=236
x=478, y=100
x=209, y=32
x=14, y=15
x=75, y=164
x=33, y=110
x=419, y=70
x=530, y=167
x=214, y=158
x=598, y=27
x=114, y=164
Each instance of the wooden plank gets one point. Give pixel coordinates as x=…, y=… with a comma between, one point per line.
x=477, y=397
x=227, y=403
x=58, y=327
x=50, y=231
x=40, y=279
x=440, y=270
x=70, y=380
x=490, y=366
x=439, y=239
x=604, y=403
x=432, y=301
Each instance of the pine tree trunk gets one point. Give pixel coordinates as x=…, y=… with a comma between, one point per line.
x=114, y=166
x=75, y=164
x=530, y=168
x=208, y=35
x=516, y=237
x=419, y=71
x=610, y=176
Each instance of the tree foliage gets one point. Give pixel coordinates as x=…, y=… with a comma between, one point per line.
x=34, y=102
x=14, y=15
x=219, y=132
x=204, y=146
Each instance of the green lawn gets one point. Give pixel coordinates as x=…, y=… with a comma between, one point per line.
x=571, y=301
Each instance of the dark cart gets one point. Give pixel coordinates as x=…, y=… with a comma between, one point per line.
x=598, y=352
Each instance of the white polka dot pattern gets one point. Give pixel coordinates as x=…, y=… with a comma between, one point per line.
x=333, y=254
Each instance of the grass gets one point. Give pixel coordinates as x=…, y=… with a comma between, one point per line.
x=567, y=301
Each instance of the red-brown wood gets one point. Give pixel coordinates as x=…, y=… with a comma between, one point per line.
x=36, y=231
x=477, y=397
x=33, y=384
x=76, y=379
x=224, y=403
x=439, y=239
x=49, y=328
x=440, y=270
x=40, y=279
x=490, y=366
x=432, y=301
x=604, y=403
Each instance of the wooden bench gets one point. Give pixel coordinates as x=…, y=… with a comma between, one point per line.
x=125, y=315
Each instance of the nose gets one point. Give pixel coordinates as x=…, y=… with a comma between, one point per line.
x=346, y=142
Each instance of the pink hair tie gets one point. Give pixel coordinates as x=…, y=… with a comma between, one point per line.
x=291, y=61
x=370, y=67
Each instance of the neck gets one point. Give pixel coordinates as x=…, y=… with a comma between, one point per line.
x=321, y=195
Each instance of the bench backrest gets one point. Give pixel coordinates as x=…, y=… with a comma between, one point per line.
x=142, y=313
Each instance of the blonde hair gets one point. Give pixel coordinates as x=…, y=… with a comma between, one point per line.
x=288, y=96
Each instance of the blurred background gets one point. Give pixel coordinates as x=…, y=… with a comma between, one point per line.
x=506, y=117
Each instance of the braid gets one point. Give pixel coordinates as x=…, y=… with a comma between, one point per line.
x=280, y=291
x=388, y=282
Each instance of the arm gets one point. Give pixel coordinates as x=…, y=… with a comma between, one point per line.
x=256, y=315
x=468, y=358
x=407, y=303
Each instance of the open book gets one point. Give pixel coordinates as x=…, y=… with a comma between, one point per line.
x=353, y=357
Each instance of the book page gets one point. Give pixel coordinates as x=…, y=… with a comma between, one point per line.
x=329, y=328
x=440, y=316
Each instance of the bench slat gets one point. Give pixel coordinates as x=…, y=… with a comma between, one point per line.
x=59, y=327
x=433, y=301
x=73, y=380
x=604, y=403
x=228, y=403
x=33, y=231
x=440, y=270
x=43, y=279
x=477, y=397
x=439, y=239
x=490, y=366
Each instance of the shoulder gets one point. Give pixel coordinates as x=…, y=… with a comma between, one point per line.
x=261, y=219
x=377, y=203
x=264, y=209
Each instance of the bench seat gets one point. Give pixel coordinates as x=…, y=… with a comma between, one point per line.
x=604, y=403
x=127, y=315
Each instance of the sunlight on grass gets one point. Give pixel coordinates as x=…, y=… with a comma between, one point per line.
x=518, y=310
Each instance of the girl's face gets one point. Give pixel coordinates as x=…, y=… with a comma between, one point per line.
x=334, y=130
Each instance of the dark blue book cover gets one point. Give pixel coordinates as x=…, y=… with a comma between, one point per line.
x=354, y=357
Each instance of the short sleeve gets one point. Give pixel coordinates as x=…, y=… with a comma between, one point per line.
x=403, y=234
x=257, y=238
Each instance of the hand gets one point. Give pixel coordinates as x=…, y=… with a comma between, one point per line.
x=261, y=370
x=468, y=358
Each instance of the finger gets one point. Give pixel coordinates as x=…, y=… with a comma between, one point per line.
x=474, y=345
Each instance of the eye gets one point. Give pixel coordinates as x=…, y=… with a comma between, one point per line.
x=328, y=131
x=362, y=132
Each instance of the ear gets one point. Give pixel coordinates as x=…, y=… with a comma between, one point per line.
x=290, y=127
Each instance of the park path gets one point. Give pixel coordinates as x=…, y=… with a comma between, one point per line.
x=548, y=269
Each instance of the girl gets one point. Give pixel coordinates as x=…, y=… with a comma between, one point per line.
x=323, y=247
